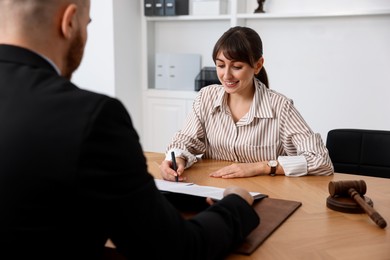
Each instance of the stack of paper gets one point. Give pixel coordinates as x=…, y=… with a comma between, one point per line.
x=196, y=190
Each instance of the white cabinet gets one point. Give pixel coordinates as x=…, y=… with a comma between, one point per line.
x=165, y=113
x=302, y=42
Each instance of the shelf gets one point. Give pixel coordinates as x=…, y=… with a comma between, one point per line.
x=188, y=18
x=264, y=16
x=310, y=15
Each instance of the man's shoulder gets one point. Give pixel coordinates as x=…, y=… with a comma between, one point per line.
x=97, y=100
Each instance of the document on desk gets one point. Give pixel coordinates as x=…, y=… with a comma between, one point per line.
x=197, y=190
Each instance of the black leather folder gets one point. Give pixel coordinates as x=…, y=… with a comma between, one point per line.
x=272, y=213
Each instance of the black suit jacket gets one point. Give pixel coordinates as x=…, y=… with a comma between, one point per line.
x=73, y=174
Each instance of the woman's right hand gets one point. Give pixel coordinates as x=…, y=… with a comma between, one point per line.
x=167, y=173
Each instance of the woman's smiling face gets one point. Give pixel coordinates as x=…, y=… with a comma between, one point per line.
x=235, y=76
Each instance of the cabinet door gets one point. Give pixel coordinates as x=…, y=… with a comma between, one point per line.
x=164, y=117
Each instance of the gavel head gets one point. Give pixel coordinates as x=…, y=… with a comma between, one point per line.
x=341, y=188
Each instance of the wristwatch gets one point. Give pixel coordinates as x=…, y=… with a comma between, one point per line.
x=273, y=164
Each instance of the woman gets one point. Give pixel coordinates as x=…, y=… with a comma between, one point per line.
x=245, y=122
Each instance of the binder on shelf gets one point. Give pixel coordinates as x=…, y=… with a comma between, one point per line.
x=182, y=7
x=149, y=7
x=159, y=7
x=170, y=7
x=166, y=7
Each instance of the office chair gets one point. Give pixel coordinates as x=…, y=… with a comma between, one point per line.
x=360, y=151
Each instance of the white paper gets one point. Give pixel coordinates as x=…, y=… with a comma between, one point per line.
x=194, y=189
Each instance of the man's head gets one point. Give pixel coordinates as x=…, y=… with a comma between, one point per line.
x=56, y=29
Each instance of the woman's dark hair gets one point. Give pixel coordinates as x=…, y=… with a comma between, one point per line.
x=242, y=44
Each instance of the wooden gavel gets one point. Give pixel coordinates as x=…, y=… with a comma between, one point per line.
x=356, y=189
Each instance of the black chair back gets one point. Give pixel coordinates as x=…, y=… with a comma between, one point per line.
x=360, y=151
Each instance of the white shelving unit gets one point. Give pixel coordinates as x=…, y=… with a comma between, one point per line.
x=164, y=111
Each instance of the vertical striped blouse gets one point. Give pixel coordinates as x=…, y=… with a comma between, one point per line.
x=272, y=129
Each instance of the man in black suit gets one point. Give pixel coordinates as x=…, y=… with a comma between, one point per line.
x=72, y=170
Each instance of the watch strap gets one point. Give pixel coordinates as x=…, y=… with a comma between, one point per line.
x=273, y=164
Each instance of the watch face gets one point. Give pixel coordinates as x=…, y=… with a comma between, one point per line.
x=272, y=163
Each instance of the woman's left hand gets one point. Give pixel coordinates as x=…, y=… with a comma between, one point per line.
x=239, y=170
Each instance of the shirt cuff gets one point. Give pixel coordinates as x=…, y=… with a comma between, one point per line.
x=190, y=158
x=293, y=166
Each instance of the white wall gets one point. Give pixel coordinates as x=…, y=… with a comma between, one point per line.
x=317, y=6
x=111, y=64
x=127, y=35
x=97, y=70
x=336, y=69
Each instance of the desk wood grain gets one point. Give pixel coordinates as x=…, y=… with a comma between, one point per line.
x=313, y=231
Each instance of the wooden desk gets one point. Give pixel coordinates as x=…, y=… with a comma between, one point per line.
x=313, y=231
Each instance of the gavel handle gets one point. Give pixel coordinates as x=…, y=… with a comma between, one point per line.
x=371, y=212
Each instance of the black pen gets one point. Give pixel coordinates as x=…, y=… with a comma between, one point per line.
x=174, y=166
